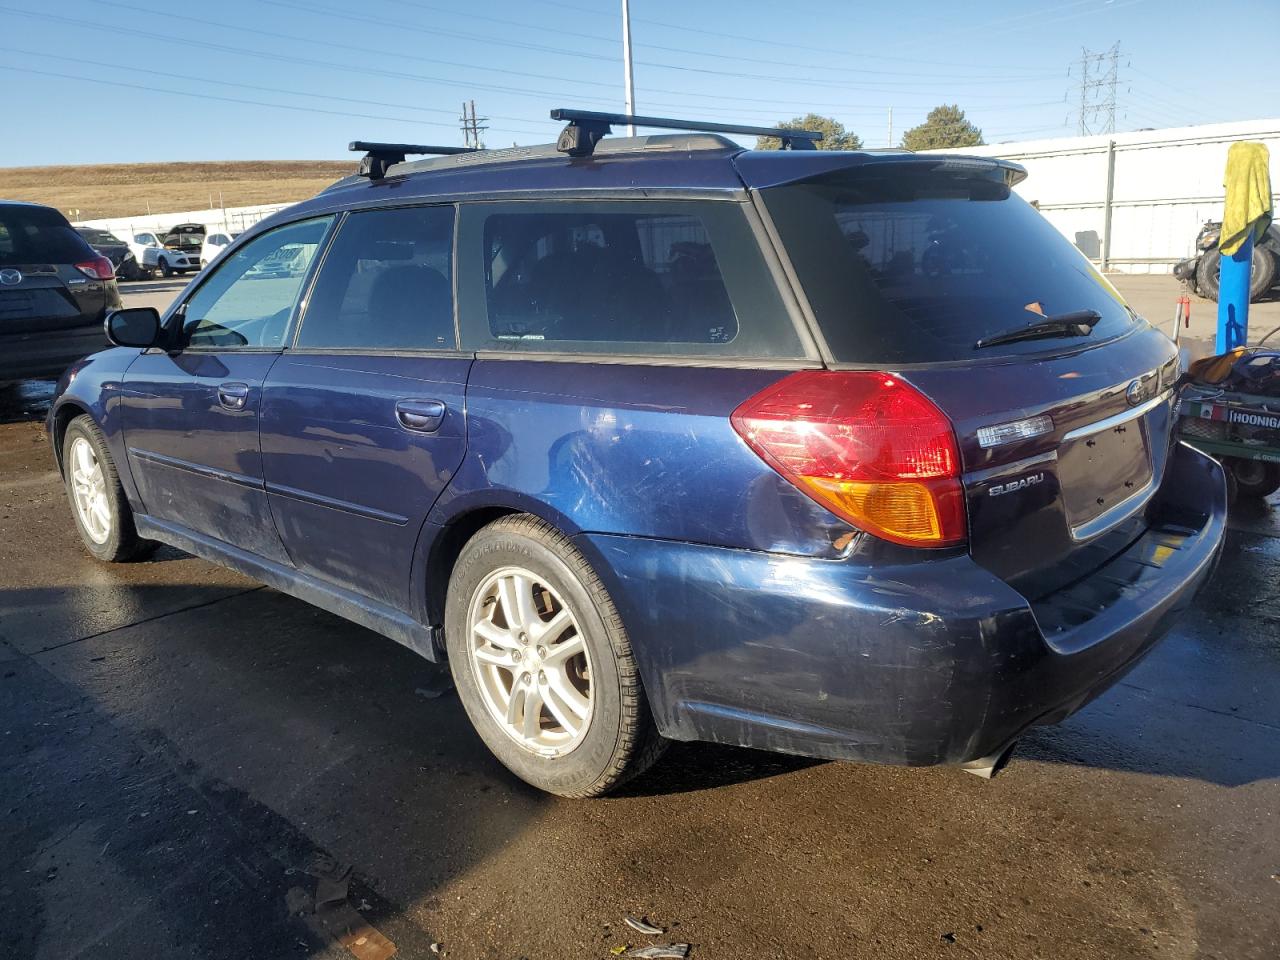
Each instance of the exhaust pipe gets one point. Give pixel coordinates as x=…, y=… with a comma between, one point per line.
x=988, y=766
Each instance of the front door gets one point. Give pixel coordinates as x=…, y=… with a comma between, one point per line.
x=190, y=414
x=363, y=422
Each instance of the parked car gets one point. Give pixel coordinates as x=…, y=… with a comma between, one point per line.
x=847, y=454
x=185, y=237
x=213, y=245
x=1201, y=271
x=55, y=291
x=114, y=249
x=155, y=259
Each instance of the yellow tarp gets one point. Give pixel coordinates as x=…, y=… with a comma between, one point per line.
x=1248, y=183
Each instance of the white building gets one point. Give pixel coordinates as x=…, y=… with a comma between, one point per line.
x=1134, y=202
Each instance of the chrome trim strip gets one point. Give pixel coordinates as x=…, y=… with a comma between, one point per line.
x=1017, y=466
x=1115, y=516
x=1116, y=420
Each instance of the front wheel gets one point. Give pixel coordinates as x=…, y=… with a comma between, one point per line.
x=164, y=268
x=98, y=503
x=543, y=664
x=1254, y=478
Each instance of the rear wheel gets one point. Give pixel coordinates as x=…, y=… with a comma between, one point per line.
x=1254, y=478
x=543, y=664
x=98, y=503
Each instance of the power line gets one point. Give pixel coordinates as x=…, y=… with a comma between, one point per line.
x=210, y=96
x=565, y=52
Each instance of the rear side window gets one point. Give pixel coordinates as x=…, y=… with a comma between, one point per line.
x=35, y=235
x=662, y=278
x=385, y=284
x=917, y=267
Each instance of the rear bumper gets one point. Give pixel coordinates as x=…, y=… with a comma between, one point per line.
x=935, y=661
x=48, y=353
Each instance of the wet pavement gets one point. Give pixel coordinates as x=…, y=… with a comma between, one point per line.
x=189, y=760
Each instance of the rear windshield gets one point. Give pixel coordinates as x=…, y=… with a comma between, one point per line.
x=32, y=235
x=904, y=267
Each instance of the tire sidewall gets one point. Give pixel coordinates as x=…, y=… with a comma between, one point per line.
x=575, y=773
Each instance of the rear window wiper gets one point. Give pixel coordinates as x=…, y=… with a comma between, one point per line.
x=1079, y=323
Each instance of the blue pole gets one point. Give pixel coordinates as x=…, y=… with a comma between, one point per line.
x=1233, y=298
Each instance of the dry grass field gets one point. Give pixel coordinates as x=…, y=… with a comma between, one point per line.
x=93, y=191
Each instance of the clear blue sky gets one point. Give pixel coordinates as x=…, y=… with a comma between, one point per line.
x=279, y=79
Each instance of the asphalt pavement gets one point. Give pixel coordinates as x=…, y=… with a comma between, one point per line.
x=192, y=765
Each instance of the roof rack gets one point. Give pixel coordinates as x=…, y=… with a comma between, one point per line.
x=587, y=127
x=379, y=156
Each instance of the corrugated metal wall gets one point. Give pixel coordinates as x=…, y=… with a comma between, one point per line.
x=1166, y=184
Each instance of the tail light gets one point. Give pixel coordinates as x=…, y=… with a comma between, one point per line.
x=867, y=446
x=99, y=268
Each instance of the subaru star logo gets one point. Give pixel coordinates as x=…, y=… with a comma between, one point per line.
x=1133, y=393
x=10, y=276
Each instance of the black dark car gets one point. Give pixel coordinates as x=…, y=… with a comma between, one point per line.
x=55, y=291
x=114, y=249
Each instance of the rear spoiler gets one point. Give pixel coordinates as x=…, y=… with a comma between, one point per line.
x=761, y=169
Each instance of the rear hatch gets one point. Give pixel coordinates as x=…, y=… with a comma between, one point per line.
x=907, y=265
x=40, y=287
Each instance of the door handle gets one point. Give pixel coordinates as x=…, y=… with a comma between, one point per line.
x=233, y=395
x=420, y=416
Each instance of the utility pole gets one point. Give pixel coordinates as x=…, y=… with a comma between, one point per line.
x=472, y=126
x=628, y=78
x=1099, y=75
x=890, y=143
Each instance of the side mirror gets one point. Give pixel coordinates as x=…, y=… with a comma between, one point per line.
x=134, y=327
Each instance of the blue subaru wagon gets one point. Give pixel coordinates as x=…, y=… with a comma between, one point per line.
x=844, y=454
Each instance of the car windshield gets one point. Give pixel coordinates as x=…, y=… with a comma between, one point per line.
x=38, y=235
x=907, y=267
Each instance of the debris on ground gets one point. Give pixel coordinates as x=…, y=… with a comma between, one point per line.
x=660, y=951
x=644, y=926
x=437, y=686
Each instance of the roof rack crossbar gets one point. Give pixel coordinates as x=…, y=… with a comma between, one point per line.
x=586, y=128
x=379, y=156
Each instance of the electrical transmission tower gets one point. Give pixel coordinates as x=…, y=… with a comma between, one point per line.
x=472, y=126
x=1099, y=75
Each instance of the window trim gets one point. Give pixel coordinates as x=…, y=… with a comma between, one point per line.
x=809, y=351
x=295, y=349
x=179, y=308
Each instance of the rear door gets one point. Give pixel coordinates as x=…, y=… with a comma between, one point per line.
x=41, y=288
x=907, y=266
x=191, y=415
x=364, y=419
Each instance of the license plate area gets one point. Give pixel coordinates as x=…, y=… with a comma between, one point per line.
x=1102, y=472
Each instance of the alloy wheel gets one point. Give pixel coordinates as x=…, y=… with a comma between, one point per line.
x=530, y=660
x=89, y=491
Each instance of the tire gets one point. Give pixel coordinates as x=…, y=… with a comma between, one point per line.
x=1261, y=279
x=90, y=474
x=164, y=268
x=1254, y=478
x=573, y=746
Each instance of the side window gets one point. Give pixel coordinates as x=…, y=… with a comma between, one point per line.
x=663, y=278
x=386, y=283
x=248, y=300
